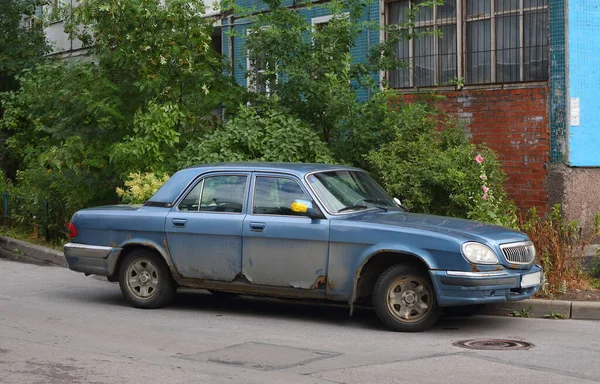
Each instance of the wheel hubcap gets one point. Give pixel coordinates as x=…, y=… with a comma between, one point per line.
x=142, y=279
x=410, y=299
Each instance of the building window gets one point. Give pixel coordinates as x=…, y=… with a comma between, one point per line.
x=259, y=69
x=481, y=41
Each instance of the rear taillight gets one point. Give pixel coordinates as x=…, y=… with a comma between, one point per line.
x=72, y=230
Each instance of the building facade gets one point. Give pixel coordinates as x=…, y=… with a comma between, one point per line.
x=521, y=74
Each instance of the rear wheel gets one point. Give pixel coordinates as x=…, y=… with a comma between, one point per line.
x=404, y=299
x=145, y=280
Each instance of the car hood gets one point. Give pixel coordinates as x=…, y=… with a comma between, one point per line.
x=468, y=229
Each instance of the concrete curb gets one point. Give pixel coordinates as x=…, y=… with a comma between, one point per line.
x=34, y=251
x=582, y=310
x=534, y=308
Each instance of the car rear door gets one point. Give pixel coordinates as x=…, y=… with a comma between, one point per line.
x=204, y=229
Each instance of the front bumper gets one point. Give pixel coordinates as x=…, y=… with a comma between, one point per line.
x=91, y=259
x=466, y=288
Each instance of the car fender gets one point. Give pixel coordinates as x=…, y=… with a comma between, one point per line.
x=162, y=250
x=369, y=253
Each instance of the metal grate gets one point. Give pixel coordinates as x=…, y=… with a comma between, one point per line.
x=480, y=41
x=519, y=253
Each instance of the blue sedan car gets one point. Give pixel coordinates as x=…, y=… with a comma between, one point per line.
x=301, y=231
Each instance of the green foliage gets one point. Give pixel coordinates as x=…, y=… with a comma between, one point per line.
x=435, y=171
x=524, y=312
x=140, y=187
x=312, y=76
x=22, y=45
x=554, y=316
x=259, y=134
x=73, y=130
x=154, y=140
x=70, y=177
x=161, y=49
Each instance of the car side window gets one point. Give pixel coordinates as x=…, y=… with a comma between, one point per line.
x=275, y=195
x=216, y=194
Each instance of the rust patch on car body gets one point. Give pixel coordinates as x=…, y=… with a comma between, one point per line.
x=321, y=280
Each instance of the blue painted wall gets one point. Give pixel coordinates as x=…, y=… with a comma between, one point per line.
x=364, y=42
x=584, y=81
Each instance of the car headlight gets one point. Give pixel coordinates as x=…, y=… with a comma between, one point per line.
x=479, y=254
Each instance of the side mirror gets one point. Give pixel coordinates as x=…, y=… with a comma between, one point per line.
x=305, y=207
x=399, y=204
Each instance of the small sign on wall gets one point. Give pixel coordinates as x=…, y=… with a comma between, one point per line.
x=575, y=111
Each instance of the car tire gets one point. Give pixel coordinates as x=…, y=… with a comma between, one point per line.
x=404, y=299
x=145, y=280
x=463, y=310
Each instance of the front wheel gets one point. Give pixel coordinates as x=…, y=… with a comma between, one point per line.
x=145, y=280
x=405, y=300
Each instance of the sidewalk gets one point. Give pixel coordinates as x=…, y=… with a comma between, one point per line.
x=558, y=309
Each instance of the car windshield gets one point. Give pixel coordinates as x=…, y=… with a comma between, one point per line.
x=342, y=191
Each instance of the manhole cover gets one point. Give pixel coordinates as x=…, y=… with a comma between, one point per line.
x=493, y=344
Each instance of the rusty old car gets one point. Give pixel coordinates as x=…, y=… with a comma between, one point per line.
x=305, y=231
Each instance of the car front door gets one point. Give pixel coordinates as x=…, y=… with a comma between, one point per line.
x=283, y=248
x=204, y=230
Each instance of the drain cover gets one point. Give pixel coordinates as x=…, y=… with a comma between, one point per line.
x=493, y=344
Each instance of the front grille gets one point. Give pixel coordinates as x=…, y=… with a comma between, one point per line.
x=519, y=253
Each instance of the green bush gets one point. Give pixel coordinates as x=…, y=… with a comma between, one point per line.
x=439, y=171
x=259, y=134
x=140, y=187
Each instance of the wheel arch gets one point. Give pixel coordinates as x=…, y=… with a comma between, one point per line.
x=375, y=264
x=132, y=246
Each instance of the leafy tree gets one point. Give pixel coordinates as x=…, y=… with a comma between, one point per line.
x=440, y=171
x=22, y=41
x=152, y=81
x=311, y=72
x=259, y=134
x=22, y=46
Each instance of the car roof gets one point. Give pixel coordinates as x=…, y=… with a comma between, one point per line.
x=176, y=184
x=299, y=169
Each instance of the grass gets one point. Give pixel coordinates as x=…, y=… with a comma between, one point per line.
x=21, y=234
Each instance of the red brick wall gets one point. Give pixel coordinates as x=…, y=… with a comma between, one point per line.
x=515, y=123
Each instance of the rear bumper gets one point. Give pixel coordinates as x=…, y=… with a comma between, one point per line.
x=466, y=288
x=91, y=259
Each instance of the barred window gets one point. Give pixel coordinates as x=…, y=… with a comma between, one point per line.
x=481, y=41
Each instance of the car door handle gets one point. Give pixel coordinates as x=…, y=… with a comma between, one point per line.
x=257, y=227
x=179, y=223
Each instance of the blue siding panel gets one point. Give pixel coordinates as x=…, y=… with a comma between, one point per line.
x=584, y=81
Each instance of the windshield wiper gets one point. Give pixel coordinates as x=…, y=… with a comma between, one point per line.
x=353, y=206
x=374, y=202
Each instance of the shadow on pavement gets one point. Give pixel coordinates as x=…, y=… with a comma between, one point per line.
x=200, y=301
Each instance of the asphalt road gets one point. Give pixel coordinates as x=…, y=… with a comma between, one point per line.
x=58, y=326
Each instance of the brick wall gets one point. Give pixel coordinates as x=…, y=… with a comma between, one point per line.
x=514, y=123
